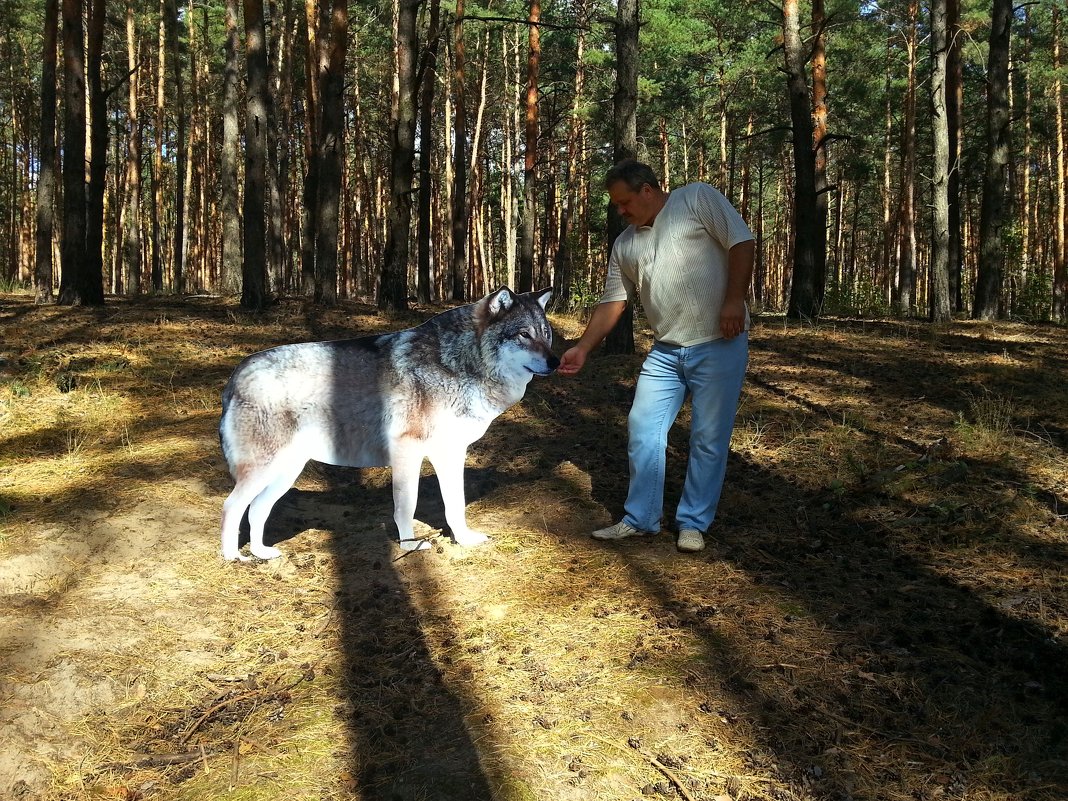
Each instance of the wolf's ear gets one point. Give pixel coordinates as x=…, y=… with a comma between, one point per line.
x=543, y=295
x=500, y=301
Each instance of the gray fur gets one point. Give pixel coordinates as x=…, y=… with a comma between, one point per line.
x=389, y=400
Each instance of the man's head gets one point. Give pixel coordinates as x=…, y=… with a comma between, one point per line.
x=635, y=191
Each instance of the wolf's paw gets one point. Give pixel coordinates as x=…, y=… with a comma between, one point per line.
x=414, y=545
x=469, y=538
x=265, y=552
x=234, y=556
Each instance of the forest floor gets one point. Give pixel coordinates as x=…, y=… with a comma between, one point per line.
x=882, y=613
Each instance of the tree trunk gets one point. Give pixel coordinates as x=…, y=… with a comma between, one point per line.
x=476, y=185
x=565, y=272
x=156, y=241
x=1026, y=255
x=98, y=144
x=170, y=24
x=393, y=293
x=275, y=175
x=231, y=216
x=530, y=163
x=1060, y=240
x=46, y=181
x=625, y=134
x=509, y=126
x=428, y=73
x=460, y=209
x=78, y=286
x=309, y=223
x=806, y=293
x=954, y=106
x=995, y=178
x=819, y=142
x=885, y=282
x=939, y=300
x=331, y=155
x=254, y=294
x=132, y=231
x=906, y=282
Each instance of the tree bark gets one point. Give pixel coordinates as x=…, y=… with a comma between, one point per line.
x=820, y=144
x=906, y=281
x=530, y=162
x=170, y=25
x=46, y=181
x=132, y=232
x=954, y=106
x=995, y=178
x=276, y=163
x=885, y=283
x=309, y=223
x=1060, y=240
x=806, y=292
x=625, y=133
x=939, y=300
x=565, y=272
x=460, y=208
x=98, y=143
x=428, y=79
x=228, y=180
x=393, y=292
x=78, y=286
x=331, y=155
x=254, y=292
x=156, y=241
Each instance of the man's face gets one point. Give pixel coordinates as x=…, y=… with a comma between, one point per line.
x=637, y=208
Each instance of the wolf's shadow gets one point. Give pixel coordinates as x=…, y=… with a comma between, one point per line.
x=407, y=733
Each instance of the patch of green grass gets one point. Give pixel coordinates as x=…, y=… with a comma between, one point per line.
x=988, y=422
x=12, y=286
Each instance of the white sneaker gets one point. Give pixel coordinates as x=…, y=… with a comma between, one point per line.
x=691, y=541
x=618, y=531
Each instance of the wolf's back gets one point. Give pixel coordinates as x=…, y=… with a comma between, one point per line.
x=274, y=393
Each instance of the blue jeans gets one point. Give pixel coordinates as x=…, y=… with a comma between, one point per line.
x=711, y=374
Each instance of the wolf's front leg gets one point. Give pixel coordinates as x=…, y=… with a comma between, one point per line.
x=405, y=462
x=449, y=465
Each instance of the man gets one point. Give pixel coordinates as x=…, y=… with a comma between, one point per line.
x=688, y=256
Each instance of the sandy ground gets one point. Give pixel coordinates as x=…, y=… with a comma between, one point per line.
x=880, y=617
x=99, y=586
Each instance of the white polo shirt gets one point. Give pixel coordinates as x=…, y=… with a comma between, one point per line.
x=678, y=265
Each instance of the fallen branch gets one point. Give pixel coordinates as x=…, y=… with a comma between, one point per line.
x=656, y=763
x=216, y=708
x=308, y=675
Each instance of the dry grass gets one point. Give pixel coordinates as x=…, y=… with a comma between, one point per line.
x=883, y=614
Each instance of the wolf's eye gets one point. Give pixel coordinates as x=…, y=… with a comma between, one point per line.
x=524, y=335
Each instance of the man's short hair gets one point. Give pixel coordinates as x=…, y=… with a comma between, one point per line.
x=633, y=173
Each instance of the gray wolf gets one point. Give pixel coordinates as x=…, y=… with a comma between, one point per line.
x=389, y=400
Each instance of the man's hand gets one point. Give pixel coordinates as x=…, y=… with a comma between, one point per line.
x=732, y=318
x=739, y=275
x=604, y=318
x=572, y=360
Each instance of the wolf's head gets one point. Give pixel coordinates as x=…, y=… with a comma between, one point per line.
x=515, y=334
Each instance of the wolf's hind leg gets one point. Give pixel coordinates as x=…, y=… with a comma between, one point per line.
x=449, y=466
x=286, y=470
x=405, y=460
x=249, y=485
